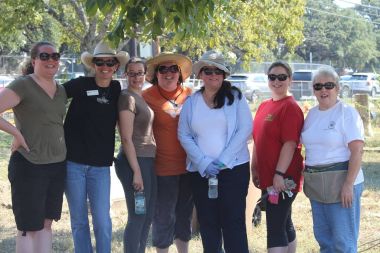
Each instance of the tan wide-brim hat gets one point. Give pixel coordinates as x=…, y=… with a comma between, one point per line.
x=211, y=58
x=182, y=61
x=102, y=49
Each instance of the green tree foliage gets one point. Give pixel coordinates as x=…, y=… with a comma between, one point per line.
x=64, y=22
x=250, y=29
x=341, y=37
x=147, y=19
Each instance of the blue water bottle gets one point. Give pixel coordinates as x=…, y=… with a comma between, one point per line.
x=139, y=202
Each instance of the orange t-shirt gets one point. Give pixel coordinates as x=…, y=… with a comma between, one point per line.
x=170, y=156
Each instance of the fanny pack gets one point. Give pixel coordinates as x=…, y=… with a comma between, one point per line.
x=324, y=183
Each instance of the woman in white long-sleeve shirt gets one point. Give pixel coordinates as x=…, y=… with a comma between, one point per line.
x=214, y=126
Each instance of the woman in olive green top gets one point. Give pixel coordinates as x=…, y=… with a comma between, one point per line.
x=36, y=168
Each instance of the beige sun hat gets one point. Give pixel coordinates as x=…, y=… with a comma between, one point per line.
x=102, y=49
x=182, y=61
x=211, y=58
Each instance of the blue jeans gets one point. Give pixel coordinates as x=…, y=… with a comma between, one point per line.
x=337, y=228
x=82, y=182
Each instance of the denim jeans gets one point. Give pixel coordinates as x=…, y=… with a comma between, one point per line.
x=82, y=182
x=337, y=228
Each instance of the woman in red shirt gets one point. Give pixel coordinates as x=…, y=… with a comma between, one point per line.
x=277, y=156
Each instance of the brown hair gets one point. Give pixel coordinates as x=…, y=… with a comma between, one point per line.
x=134, y=60
x=282, y=64
x=155, y=80
x=27, y=67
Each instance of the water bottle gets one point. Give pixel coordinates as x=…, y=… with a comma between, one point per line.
x=213, y=188
x=139, y=202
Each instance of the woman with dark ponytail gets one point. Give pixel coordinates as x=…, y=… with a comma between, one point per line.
x=37, y=167
x=214, y=127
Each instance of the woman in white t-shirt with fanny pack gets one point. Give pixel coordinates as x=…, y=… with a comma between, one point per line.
x=333, y=136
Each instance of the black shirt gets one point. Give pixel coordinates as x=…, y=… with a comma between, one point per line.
x=90, y=121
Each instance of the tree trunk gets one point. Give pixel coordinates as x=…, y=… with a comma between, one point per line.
x=156, y=50
x=132, y=47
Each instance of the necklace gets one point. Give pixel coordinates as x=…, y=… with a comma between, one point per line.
x=171, y=101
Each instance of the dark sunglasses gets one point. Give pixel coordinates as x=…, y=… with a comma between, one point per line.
x=47, y=56
x=134, y=74
x=165, y=70
x=100, y=63
x=327, y=85
x=280, y=77
x=208, y=72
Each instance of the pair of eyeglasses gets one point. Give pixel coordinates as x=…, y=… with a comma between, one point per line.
x=280, y=77
x=164, y=70
x=100, y=63
x=47, y=56
x=327, y=85
x=134, y=74
x=209, y=72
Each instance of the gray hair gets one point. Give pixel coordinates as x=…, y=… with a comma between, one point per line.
x=326, y=72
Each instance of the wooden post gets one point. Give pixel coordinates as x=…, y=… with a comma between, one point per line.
x=362, y=106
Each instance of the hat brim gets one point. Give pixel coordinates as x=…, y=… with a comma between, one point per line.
x=182, y=61
x=203, y=63
x=121, y=56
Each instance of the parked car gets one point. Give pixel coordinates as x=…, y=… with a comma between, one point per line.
x=193, y=84
x=364, y=83
x=345, y=86
x=253, y=85
x=301, y=85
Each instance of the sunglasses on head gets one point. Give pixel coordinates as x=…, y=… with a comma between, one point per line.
x=108, y=63
x=327, y=85
x=47, y=56
x=209, y=71
x=280, y=77
x=134, y=74
x=165, y=70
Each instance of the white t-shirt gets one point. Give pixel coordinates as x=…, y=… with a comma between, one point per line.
x=211, y=140
x=326, y=135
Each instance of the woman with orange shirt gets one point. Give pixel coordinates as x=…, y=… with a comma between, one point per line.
x=174, y=205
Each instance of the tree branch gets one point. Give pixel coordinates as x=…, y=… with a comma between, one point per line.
x=61, y=20
x=80, y=12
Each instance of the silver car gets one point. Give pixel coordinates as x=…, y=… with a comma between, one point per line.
x=364, y=83
x=253, y=85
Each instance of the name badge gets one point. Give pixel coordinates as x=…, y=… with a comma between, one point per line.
x=92, y=93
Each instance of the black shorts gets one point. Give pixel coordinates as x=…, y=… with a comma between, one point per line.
x=37, y=191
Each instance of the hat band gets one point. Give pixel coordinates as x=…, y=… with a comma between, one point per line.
x=104, y=54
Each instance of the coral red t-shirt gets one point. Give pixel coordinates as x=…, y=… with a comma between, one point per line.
x=170, y=156
x=275, y=123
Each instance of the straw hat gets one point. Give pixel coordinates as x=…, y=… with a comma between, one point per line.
x=182, y=61
x=211, y=58
x=102, y=49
